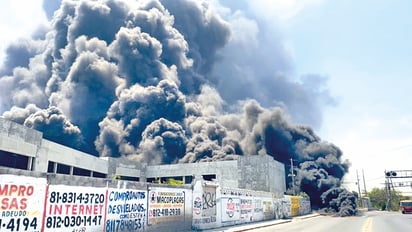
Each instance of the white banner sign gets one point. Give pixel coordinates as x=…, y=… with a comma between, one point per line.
x=166, y=205
x=126, y=210
x=21, y=203
x=75, y=209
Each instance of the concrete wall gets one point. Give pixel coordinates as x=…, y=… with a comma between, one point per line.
x=18, y=139
x=215, y=206
x=70, y=203
x=262, y=173
x=226, y=172
x=57, y=153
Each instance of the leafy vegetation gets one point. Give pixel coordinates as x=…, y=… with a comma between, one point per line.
x=378, y=198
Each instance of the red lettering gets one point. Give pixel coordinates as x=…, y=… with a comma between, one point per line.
x=30, y=191
x=55, y=209
x=13, y=204
x=4, y=190
x=74, y=209
x=67, y=208
x=71, y=209
x=4, y=203
x=23, y=203
x=19, y=190
x=81, y=209
x=88, y=209
x=22, y=189
x=13, y=189
x=96, y=209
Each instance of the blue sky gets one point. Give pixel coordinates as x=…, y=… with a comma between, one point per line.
x=363, y=48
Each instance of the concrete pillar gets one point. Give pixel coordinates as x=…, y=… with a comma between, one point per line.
x=112, y=164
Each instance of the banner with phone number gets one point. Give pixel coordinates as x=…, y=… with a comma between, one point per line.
x=126, y=210
x=75, y=209
x=166, y=205
x=21, y=203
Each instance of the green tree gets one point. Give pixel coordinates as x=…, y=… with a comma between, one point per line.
x=378, y=198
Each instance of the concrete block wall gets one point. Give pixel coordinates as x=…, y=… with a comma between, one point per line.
x=18, y=139
x=203, y=205
x=262, y=173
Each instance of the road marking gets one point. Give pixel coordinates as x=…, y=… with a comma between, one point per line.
x=367, y=226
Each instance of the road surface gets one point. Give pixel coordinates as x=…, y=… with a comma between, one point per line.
x=374, y=221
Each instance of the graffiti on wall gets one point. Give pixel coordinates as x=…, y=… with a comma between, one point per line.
x=304, y=206
x=286, y=207
x=126, y=210
x=204, y=207
x=209, y=201
x=75, y=208
x=21, y=203
x=166, y=205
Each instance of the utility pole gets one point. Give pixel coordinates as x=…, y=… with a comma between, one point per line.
x=364, y=184
x=293, y=176
x=388, y=195
x=357, y=182
x=366, y=203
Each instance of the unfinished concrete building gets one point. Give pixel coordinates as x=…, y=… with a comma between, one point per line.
x=26, y=149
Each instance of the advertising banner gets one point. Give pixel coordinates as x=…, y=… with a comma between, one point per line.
x=258, y=214
x=165, y=205
x=21, y=203
x=230, y=209
x=75, y=209
x=126, y=210
x=246, y=209
x=268, y=209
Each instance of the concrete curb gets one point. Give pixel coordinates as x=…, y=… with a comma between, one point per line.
x=306, y=216
x=252, y=227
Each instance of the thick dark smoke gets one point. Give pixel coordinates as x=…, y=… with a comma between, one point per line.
x=168, y=81
x=340, y=201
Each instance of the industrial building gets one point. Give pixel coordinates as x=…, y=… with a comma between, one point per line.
x=26, y=149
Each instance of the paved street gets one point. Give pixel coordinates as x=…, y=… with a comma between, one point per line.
x=374, y=221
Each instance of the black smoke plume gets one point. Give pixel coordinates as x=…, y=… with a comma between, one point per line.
x=169, y=81
x=340, y=201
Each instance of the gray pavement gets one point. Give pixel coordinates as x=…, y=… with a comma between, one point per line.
x=250, y=226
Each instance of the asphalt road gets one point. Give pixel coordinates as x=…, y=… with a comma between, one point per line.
x=374, y=221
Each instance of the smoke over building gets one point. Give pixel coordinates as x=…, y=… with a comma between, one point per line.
x=168, y=81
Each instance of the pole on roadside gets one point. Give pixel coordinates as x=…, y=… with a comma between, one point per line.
x=359, y=191
x=293, y=176
x=364, y=184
